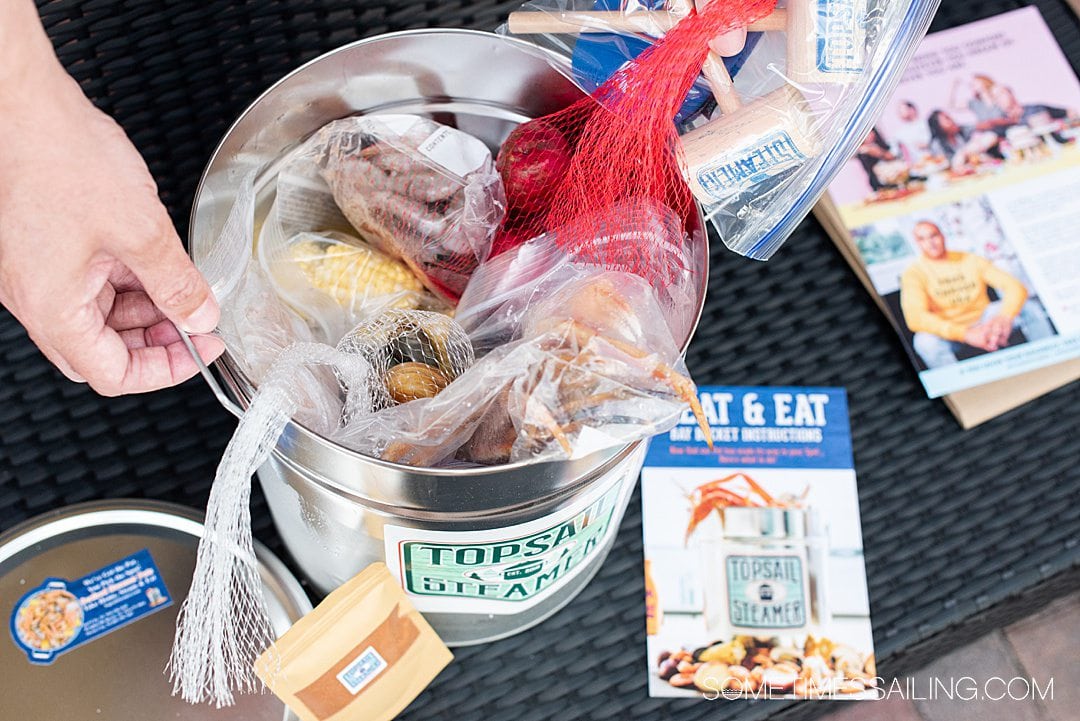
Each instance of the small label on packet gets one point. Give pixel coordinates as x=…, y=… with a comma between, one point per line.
x=459, y=153
x=363, y=654
x=61, y=614
x=361, y=671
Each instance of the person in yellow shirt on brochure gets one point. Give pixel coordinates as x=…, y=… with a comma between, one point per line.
x=946, y=305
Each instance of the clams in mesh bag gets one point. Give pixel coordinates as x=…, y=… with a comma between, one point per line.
x=415, y=354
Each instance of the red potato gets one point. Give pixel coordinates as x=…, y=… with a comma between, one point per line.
x=532, y=162
x=515, y=230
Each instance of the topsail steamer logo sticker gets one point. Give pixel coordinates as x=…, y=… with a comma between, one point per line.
x=500, y=570
x=769, y=156
x=839, y=36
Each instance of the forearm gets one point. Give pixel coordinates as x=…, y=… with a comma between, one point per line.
x=1012, y=291
x=27, y=58
x=927, y=322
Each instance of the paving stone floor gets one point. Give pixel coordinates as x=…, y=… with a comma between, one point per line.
x=1029, y=671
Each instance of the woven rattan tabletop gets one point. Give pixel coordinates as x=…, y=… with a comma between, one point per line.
x=962, y=530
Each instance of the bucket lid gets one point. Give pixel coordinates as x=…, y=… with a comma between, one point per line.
x=129, y=565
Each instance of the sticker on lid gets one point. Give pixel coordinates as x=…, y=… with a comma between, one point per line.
x=61, y=614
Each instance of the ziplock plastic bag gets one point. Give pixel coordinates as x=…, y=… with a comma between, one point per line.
x=790, y=103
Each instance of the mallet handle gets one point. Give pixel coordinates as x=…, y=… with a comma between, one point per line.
x=649, y=22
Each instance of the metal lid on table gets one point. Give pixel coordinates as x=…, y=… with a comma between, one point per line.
x=90, y=595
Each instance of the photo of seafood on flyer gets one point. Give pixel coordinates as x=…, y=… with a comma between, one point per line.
x=963, y=204
x=755, y=585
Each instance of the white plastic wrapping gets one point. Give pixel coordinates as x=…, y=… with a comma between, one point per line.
x=224, y=623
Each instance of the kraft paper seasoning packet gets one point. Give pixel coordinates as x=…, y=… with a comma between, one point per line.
x=363, y=654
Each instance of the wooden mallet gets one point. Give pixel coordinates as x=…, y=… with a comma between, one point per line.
x=748, y=145
x=826, y=39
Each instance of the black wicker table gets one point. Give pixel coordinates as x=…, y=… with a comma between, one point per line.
x=963, y=531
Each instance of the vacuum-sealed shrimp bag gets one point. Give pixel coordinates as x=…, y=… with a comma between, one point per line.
x=387, y=211
x=783, y=99
x=417, y=190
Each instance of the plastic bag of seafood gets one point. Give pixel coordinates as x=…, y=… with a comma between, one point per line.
x=420, y=191
x=650, y=241
x=590, y=365
x=382, y=195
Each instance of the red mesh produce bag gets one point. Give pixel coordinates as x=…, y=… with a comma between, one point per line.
x=576, y=171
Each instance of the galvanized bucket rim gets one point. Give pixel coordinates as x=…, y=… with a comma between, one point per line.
x=239, y=383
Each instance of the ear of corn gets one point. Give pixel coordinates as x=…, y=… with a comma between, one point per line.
x=352, y=275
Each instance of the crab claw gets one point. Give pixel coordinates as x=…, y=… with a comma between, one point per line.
x=548, y=422
x=686, y=390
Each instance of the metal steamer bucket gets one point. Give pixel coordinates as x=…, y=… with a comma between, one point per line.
x=483, y=552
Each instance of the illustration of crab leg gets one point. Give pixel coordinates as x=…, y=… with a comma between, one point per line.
x=699, y=514
x=706, y=487
x=765, y=495
x=722, y=494
x=715, y=499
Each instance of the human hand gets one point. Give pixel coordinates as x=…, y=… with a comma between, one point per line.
x=979, y=336
x=998, y=330
x=90, y=263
